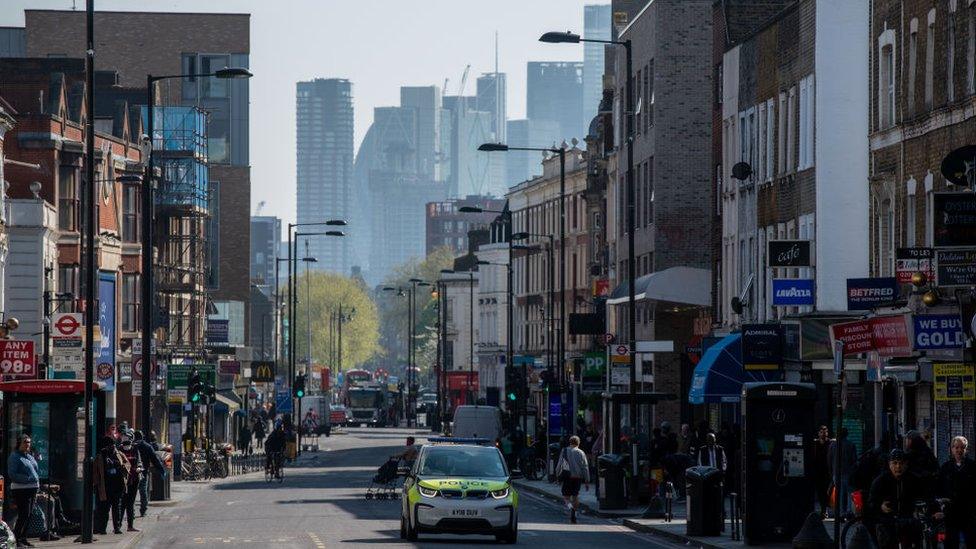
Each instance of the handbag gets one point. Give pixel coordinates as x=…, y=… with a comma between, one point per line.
x=564, y=474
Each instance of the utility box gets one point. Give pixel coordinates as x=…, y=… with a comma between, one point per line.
x=704, y=503
x=777, y=455
x=611, y=492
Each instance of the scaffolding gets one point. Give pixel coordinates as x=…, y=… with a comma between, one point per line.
x=180, y=226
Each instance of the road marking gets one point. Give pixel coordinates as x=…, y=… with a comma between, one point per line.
x=315, y=539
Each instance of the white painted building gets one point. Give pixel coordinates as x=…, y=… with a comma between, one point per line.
x=492, y=312
x=31, y=263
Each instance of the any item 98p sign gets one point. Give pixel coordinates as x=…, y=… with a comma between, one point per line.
x=17, y=358
x=938, y=332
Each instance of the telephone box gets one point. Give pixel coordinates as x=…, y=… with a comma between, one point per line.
x=777, y=456
x=52, y=412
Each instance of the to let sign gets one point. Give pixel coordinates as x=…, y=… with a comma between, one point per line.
x=789, y=253
x=17, y=358
x=909, y=261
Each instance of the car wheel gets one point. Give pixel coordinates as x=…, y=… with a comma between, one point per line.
x=403, y=527
x=510, y=537
x=411, y=532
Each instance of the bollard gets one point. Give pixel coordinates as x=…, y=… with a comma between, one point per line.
x=813, y=535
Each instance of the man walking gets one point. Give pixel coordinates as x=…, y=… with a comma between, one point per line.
x=149, y=459
x=848, y=461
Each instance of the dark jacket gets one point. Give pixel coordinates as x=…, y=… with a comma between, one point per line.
x=276, y=442
x=958, y=484
x=901, y=495
x=704, y=457
x=848, y=457
x=821, y=468
x=148, y=456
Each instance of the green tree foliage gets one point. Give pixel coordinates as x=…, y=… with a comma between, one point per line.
x=360, y=332
x=394, y=308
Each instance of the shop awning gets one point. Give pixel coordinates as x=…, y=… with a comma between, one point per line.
x=229, y=399
x=686, y=285
x=719, y=375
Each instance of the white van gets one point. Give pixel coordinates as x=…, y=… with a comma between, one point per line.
x=477, y=422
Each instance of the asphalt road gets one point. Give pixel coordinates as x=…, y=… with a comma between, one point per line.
x=321, y=504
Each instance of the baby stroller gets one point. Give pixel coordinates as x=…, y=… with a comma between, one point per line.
x=385, y=481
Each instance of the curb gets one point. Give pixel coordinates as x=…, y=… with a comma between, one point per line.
x=558, y=499
x=671, y=536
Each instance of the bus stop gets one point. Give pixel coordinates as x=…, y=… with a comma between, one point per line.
x=52, y=411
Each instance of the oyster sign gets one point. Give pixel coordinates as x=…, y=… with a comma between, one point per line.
x=792, y=292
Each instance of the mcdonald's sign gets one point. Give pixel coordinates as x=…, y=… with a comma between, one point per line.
x=263, y=371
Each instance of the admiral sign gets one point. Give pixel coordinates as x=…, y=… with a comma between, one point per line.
x=762, y=346
x=792, y=292
x=788, y=253
x=867, y=293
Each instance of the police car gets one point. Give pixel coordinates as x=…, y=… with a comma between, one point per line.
x=459, y=486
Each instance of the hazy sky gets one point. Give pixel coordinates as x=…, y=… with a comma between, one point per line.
x=378, y=44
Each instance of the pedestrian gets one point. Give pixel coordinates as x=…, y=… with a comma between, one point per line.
x=848, y=462
x=136, y=469
x=821, y=469
x=110, y=475
x=572, y=470
x=957, y=483
x=153, y=441
x=712, y=454
x=23, y=483
x=684, y=439
x=259, y=433
x=658, y=447
x=921, y=460
x=891, y=503
x=149, y=459
x=244, y=439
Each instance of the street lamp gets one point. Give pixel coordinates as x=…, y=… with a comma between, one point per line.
x=308, y=260
x=561, y=343
x=470, y=327
x=147, y=223
x=572, y=38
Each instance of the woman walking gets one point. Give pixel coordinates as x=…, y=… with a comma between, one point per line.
x=24, y=483
x=573, y=471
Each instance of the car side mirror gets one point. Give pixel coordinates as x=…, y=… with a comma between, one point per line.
x=515, y=475
x=403, y=471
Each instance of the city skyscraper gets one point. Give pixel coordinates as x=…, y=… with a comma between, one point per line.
x=555, y=92
x=597, y=21
x=492, y=98
x=426, y=101
x=324, y=170
x=524, y=165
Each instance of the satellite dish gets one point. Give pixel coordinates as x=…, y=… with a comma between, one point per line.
x=959, y=166
x=742, y=171
x=737, y=305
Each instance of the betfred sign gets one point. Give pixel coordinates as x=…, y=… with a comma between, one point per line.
x=867, y=293
x=17, y=358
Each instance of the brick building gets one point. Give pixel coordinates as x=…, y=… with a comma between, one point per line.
x=446, y=226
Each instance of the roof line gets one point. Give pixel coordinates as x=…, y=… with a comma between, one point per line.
x=141, y=12
x=636, y=17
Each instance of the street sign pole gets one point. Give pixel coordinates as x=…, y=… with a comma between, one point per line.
x=838, y=448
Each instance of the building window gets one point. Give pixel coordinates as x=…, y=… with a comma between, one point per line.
x=130, y=213
x=971, y=53
x=718, y=84
x=189, y=84
x=807, y=122
x=640, y=96
x=912, y=65
x=68, y=283
x=929, y=58
x=781, y=134
x=212, y=87
x=791, y=130
x=649, y=84
x=951, y=54
x=910, y=213
x=886, y=83
x=761, y=149
x=69, y=200
x=770, y=139
x=649, y=208
x=131, y=304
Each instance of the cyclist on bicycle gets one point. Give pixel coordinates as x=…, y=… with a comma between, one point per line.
x=274, y=446
x=957, y=483
x=892, y=504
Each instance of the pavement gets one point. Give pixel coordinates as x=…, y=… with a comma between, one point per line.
x=321, y=504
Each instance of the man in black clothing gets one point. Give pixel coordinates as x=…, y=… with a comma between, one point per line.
x=149, y=460
x=821, y=468
x=891, y=504
x=275, y=445
x=957, y=483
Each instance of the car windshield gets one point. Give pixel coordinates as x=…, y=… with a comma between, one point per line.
x=462, y=461
x=362, y=398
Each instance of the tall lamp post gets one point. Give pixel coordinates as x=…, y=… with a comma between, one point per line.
x=572, y=38
x=308, y=260
x=561, y=342
x=148, y=218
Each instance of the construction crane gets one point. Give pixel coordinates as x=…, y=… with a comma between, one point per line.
x=464, y=80
x=259, y=208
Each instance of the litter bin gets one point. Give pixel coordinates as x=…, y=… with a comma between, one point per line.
x=704, y=503
x=159, y=486
x=610, y=475
x=554, y=451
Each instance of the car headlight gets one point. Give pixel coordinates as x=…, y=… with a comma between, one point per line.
x=427, y=492
x=500, y=494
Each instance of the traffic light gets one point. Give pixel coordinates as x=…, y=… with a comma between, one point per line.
x=299, y=386
x=194, y=388
x=511, y=384
x=211, y=393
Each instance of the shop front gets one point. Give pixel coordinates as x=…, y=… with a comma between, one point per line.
x=52, y=412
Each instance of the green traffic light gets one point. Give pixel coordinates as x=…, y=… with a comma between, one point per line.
x=511, y=396
x=299, y=393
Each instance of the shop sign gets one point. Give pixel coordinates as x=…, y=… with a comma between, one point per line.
x=909, y=261
x=229, y=367
x=788, y=253
x=867, y=293
x=938, y=332
x=956, y=267
x=762, y=346
x=601, y=287
x=17, y=359
x=218, y=331
x=792, y=292
x=888, y=335
x=954, y=219
x=953, y=381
